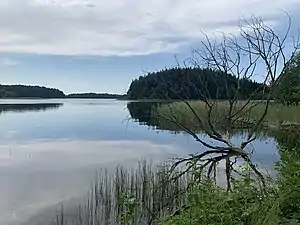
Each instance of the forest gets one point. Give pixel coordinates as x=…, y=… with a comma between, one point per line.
x=95, y=95
x=191, y=83
x=24, y=91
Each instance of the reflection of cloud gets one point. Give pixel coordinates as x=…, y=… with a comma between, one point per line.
x=37, y=175
x=76, y=153
x=8, y=62
x=9, y=134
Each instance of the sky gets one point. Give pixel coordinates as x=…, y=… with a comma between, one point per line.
x=101, y=46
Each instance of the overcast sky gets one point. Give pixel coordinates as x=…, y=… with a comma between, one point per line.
x=101, y=45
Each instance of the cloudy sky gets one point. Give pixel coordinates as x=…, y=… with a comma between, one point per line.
x=100, y=45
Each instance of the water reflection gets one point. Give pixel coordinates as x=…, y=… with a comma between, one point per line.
x=143, y=113
x=38, y=175
x=266, y=148
x=287, y=138
x=28, y=107
x=51, y=156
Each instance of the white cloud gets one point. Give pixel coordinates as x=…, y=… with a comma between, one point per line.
x=120, y=27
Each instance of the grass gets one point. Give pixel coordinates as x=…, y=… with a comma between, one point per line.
x=139, y=196
x=146, y=196
x=277, y=114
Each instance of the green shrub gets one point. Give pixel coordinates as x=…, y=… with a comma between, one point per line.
x=248, y=203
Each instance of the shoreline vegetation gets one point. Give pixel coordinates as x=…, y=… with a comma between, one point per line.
x=96, y=96
x=160, y=115
x=41, y=92
x=278, y=115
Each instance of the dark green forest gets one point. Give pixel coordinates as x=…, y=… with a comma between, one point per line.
x=95, y=95
x=288, y=85
x=23, y=91
x=191, y=83
x=28, y=107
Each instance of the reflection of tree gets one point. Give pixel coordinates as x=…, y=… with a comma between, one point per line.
x=28, y=107
x=286, y=138
x=145, y=113
x=142, y=112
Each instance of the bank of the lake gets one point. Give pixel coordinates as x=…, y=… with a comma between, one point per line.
x=278, y=115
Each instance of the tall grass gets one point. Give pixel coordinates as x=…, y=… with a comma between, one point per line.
x=138, y=196
x=146, y=195
x=277, y=114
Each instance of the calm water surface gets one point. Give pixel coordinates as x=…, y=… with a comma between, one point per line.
x=50, y=150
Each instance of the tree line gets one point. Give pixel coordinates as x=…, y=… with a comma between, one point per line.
x=288, y=87
x=24, y=91
x=196, y=83
x=182, y=83
x=95, y=95
x=191, y=83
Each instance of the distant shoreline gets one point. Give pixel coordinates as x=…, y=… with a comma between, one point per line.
x=66, y=97
x=40, y=92
x=40, y=98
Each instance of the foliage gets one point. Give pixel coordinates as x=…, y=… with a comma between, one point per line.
x=290, y=184
x=149, y=113
x=95, y=95
x=210, y=204
x=189, y=83
x=23, y=91
x=288, y=84
x=289, y=169
x=248, y=203
x=277, y=114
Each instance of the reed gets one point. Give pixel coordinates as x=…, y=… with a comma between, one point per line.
x=143, y=195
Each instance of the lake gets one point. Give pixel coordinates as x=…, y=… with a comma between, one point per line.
x=50, y=150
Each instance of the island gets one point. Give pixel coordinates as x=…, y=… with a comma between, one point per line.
x=28, y=91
